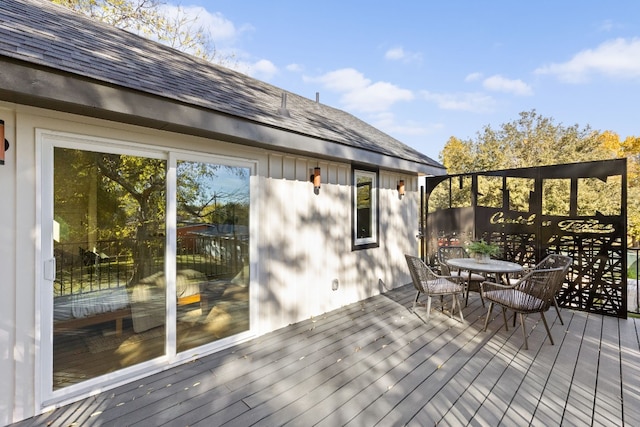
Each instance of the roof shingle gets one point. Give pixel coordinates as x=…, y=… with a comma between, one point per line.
x=42, y=33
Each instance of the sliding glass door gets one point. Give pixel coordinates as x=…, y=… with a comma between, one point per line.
x=146, y=256
x=109, y=249
x=212, y=252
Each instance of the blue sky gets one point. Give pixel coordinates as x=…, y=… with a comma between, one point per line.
x=423, y=71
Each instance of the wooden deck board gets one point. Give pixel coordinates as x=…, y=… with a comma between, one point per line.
x=630, y=366
x=580, y=402
x=376, y=363
x=379, y=379
x=341, y=396
x=353, y=359
x=298, y=362
x=467, y=383
x=608, y=402
x=246, y=360
x=556, y=392
x=534, y=367
x=414, y=390
x=244, y=367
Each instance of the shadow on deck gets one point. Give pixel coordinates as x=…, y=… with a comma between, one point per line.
x=376, y=363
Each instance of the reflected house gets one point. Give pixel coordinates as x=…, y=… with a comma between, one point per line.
x=220, y=241
x=188, y=234
x=121, y=146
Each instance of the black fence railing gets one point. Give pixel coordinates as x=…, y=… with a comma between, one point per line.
x=114, y=263
x=214, y=256
x=107, y=264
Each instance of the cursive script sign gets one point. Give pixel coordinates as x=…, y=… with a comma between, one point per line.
x=585, y=226
x=499, y=218
x=589, y=225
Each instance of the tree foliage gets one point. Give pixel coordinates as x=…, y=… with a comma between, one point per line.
x=531, y=140
x=630, y=148
x=149, y=18
x=534, y=140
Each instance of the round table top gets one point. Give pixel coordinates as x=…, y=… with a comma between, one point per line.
x=490, y=266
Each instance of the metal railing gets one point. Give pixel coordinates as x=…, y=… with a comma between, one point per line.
x=113, y=263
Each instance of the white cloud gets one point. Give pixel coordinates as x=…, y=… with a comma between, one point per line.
x=388, y=121
x=220, y=28
x=343, y=80
x=619, y=58
x=607, y=25
x=399, y=54
x=473, y=77
x=394, y=53
x=359, y=93
x=473, y=102
x=502, y=84
x=262, y=69
x=294, y=68
x=376, y=97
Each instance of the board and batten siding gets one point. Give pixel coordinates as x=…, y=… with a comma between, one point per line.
x=302, y=240
x=305, y=240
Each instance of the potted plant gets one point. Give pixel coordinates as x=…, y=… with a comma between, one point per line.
x=482, y=250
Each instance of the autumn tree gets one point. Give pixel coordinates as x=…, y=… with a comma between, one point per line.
x=534, y=140
x=629, y=148
x=531, y=140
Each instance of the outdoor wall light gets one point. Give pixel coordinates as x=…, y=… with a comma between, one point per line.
x=4, y=146
x=401, y=190
x=316, y=179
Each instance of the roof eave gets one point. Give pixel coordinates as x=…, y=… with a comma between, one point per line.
x=24, y=83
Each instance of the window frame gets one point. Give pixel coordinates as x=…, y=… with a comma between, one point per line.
x=46, y=142
x=372, y=241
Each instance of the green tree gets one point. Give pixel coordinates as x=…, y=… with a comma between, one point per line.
x=534, y=140
x=531, y=140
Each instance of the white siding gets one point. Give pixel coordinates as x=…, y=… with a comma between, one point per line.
x=303, y=240
x=9, y=366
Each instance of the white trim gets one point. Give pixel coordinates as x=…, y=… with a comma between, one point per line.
x=374, y=207
x=170, y=257
x=44, y=162
x=46, y=398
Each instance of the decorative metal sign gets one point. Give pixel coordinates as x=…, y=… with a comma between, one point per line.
x=574, y=209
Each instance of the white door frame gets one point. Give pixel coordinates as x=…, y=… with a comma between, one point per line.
x=46, y=141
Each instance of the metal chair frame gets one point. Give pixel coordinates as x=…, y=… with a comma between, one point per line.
x=431, y=284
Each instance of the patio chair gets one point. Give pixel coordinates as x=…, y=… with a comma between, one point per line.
x=472, y=280
x=550, y=261
x=432, y=284
x=533, y=293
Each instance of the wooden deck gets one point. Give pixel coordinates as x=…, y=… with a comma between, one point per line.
x=376, y=363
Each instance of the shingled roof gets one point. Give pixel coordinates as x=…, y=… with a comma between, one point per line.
x=54, y=39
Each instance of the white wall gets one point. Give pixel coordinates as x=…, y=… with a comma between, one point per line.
x=8, y=271
x=303, y=239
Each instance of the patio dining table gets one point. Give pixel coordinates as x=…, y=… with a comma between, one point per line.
x=501, y=269
x=492, y=266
